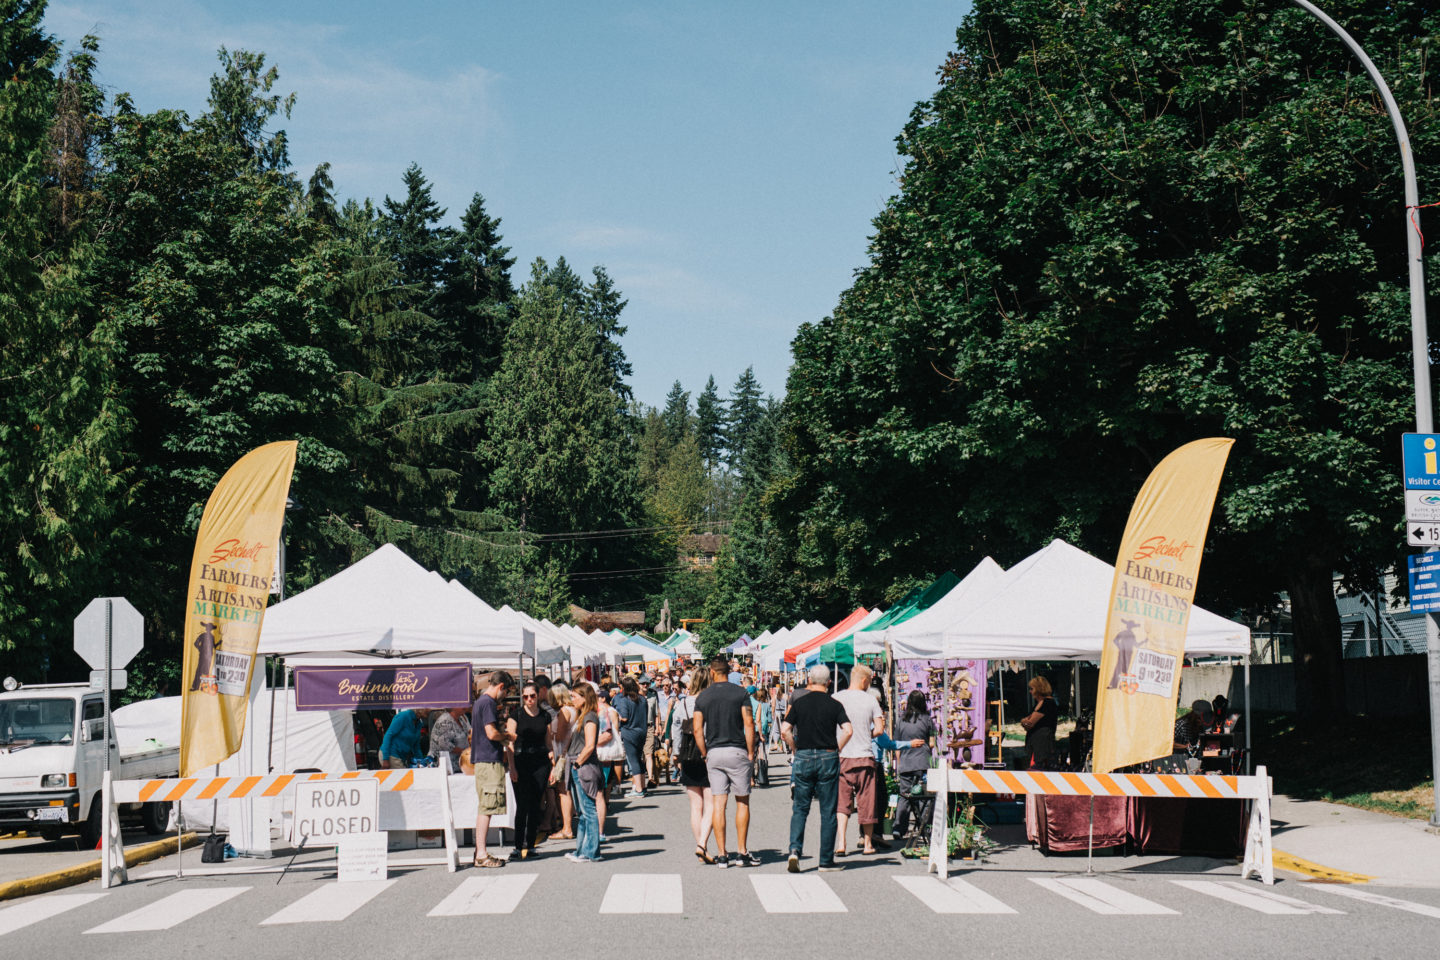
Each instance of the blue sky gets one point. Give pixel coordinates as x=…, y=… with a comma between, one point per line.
x=723, y=161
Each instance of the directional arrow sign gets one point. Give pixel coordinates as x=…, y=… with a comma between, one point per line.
x=1422, y=534
x=127, y=632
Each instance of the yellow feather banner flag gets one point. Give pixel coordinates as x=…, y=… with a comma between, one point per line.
x=235, y=554
x=1150, y=602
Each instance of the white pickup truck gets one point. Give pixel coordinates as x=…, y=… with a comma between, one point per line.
x=52, y=763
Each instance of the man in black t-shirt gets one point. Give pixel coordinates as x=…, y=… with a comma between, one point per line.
x=725, y=733
x=815, y=728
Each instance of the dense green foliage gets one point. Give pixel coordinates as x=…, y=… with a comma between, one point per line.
x=173, y=294
x=62, y=476
x=1123, y=227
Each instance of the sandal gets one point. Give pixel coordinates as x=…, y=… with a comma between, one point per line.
x=702, y=855
x=491, y=862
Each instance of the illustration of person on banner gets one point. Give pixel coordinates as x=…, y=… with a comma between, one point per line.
x=235, y=552
x=1150, y=600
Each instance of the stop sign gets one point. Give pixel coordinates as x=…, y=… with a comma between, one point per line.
x=127, y=632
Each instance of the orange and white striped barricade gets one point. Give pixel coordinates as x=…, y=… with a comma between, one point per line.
x=177, y=789
x=1258, y=859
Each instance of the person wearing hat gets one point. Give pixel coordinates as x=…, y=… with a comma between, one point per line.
x=1188, y=730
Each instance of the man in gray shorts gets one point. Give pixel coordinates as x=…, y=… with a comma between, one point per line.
x=725, y=734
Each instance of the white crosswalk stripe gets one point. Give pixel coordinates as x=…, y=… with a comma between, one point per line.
x=1355, y=893
x=952, y=896
x=170, y=911
x=42, y=908
x=787, y=894
x=488, y=894
x=1099, y=897
x=1252, y=897
x=664, y=893
x=643, y=893
x=333, y=901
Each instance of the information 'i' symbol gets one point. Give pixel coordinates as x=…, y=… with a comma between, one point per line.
x=1430, y=464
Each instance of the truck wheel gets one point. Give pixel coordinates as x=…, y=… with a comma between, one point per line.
x=94, y=824
x=155, y=817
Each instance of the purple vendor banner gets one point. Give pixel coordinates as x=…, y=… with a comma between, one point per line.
x=382, y=687
x=966, y=709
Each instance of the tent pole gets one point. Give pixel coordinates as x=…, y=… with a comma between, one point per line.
x=285, y=733
x=1247, y=717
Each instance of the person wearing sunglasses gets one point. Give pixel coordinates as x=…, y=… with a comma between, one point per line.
x=529, y=730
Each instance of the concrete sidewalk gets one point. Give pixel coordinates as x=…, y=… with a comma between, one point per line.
x=1391, y=851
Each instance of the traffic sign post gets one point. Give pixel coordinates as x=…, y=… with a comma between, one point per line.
x=108, y=634
x=1420, y=458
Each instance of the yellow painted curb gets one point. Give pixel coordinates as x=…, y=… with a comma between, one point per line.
x=1288, y=861
x=68, y=877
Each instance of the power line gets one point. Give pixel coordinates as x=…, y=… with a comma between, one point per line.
x=625, y=573
x=624, y=531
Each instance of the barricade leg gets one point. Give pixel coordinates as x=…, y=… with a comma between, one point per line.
x=112, y=844
x=452, y=848
x=1258, y=855
x=938, y=861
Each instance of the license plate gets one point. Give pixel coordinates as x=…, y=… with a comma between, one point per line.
x=51, y=813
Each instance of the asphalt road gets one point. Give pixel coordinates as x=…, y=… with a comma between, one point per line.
x=651, y=897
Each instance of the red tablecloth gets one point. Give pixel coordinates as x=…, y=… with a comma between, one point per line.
x=1145, y=824
x=1062, y=824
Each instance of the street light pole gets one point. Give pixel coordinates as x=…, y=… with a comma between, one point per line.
x=1419, y=347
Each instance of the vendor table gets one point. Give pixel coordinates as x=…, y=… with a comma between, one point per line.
x=1150, y=825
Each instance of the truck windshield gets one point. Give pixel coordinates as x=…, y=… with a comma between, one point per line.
x=32, y=720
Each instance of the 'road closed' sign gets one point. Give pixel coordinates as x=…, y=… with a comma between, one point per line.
x=327, y=812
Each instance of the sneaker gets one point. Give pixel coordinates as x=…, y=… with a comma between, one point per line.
x=722, y=862
x=751, y=859
x=595, y=859
x=634, y=794
x=793, y=864
x=831, y=867
x=574, y=857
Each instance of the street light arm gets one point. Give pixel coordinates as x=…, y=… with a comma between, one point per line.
x=1419, y=336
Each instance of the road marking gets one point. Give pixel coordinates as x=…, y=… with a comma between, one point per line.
x=333, y=901
x=1288, y=861
x=643, y=893
x=952, y=896
x=1423, y=909
x=1251, y=897
x=485, y=895
x=24, y=914
x=796, y=895
x=1099, y=897
x=170, y=911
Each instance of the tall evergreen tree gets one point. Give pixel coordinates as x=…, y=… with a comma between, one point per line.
x=62, y=432
x=414, y=478
x=710, y=424
x=746, y=410
x=474, y=297
x=676, y=415
x=557, y=435
x=602, y=306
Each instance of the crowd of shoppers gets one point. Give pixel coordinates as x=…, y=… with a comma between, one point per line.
x=563, y=748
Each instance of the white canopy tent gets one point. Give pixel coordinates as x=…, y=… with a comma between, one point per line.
x=1050, y=606
x=386, y=604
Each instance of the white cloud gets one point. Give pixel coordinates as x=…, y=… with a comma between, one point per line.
x=164, y=52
